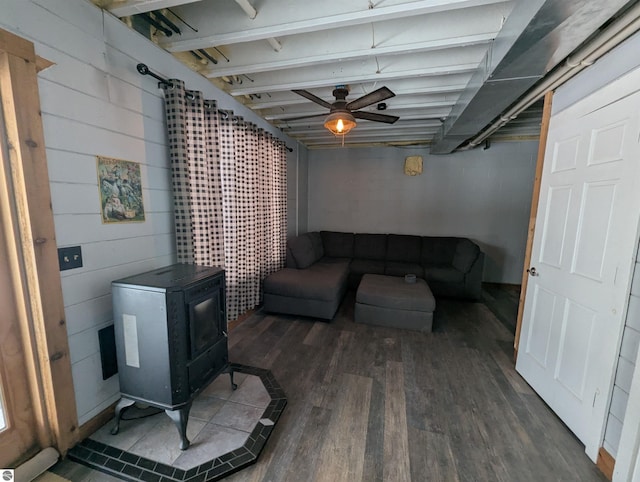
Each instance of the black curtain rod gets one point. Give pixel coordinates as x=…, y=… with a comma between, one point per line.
x=144, y=70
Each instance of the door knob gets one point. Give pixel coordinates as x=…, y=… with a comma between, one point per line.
x=532, y=271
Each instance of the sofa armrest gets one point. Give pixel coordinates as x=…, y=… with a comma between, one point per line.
x=473, y=278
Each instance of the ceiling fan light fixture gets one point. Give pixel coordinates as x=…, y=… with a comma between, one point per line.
x=340, y=123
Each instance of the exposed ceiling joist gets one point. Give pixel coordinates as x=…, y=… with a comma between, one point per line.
x=257, y=58
x=248, y=8
x=134, y=7
x=226, y=25
x=453, y=65
x=430, y=109
x=378, y=68
x=407, y=93
x=415, y=126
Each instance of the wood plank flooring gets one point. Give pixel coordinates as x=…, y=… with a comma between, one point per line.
x=377, y=404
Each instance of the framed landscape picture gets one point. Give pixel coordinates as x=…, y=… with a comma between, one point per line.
x=120, y=189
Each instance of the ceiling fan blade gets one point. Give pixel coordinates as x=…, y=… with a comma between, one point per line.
x=286, y=119
x=373, y=116
x=374, y=97
x=313, y=98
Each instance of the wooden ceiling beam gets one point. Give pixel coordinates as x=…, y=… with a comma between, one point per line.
x=250, y=58
x=371, y=69
x=134, y=7
x=224, y=24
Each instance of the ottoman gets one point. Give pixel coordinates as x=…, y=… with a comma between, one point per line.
x=390, y=301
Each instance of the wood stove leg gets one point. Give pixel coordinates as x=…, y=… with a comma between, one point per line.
x=229, y=370
x=180, y=418
x=120, y=406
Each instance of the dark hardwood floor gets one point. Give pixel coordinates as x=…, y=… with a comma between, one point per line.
x=377, y=404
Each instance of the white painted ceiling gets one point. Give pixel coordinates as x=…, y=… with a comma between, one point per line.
x=430, y=53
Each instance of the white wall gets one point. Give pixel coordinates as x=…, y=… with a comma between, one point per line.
x=94, y=102
x=481, y=194
x=626, y=366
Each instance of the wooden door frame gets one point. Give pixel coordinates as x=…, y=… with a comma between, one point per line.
x=36, y=274
x=535, y=198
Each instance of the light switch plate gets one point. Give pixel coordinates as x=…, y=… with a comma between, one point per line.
x=70, y=258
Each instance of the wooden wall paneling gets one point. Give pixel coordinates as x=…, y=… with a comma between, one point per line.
x=71, y=167
x=37, y=22
x=75, y=75
x=70, y=135
x=100, y=253
x=55, y=98
x=544, y=131
x=98, y=283
x=618, y=402
x=41, y=277
x=627, y=461
x=83, y=316
x=613, y=431
x=630, y=344
x=624, y=374
x=92, y=229
x=96, y=394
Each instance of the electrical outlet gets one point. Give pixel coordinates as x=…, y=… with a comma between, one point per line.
x=70, y=258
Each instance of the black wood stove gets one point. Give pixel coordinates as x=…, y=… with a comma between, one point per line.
x=171, y=338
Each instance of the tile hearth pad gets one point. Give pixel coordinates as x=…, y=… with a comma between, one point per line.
x=228, y=430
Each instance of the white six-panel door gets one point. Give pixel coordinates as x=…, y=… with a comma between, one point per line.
x=583, y=249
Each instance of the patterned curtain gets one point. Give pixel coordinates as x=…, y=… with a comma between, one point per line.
x=229, y=189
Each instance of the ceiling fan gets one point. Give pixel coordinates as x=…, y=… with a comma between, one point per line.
x=342, y=114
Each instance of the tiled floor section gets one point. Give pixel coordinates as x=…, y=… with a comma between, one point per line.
x=227, y=430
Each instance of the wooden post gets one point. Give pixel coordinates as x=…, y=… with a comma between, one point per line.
x=44, y=322
x=544, y=132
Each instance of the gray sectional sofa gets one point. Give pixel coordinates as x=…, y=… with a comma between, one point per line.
x=321, y=266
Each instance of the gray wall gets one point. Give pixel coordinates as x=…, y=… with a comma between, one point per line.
x=297, y=183
x=481, y=194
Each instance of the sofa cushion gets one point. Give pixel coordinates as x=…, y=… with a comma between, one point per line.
x=290, y=263
x=364, y=266
x=466, y=254
x=403, y=248
x=438, y=250
x=321, y=281
x=443, y=274
x=316, y=241
x=398, y=268
x=337, y=245
x=370, y=246
x=328, y=260
x=302, y=251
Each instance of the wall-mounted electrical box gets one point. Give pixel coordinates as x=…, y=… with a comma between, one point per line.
x=70, y=258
